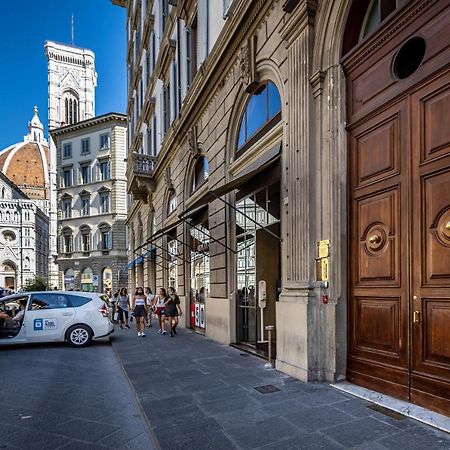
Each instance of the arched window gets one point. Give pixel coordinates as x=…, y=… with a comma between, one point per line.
x=262, y=112
x=172, y=203
x=201, y=173
x=377, y=11
x=87, y=280
x=71, y=108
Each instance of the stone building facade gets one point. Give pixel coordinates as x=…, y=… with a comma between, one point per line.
x=24, y=233
x=283, y=142
x=92, y=209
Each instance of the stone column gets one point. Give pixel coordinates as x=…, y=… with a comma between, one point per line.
x=296, y=315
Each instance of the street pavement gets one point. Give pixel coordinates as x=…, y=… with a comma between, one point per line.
x=54, y=396
x=197, y=394
x=185, y=392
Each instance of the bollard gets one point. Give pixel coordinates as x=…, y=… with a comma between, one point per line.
x=269, y=329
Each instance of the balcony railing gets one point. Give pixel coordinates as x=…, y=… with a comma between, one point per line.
x=143, y=164
x=140, y=175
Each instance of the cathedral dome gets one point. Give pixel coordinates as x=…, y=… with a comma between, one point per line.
x=27, y=163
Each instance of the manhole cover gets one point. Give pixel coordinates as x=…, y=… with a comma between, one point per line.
x=245, y=355
x=386, y=412
x=267, y=389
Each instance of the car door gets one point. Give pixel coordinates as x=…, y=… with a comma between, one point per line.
x=48, y=315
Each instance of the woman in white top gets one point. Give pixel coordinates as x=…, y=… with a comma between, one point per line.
x=140, y=310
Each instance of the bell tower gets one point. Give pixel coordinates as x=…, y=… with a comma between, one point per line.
x=72, y=80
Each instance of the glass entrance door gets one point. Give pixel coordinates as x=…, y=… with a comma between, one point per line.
x=258, y=258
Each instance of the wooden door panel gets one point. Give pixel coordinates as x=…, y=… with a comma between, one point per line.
x=377, y=327
x=436, y=332
x=378, y=227
x=436, y=232
x=435, y=138
x=378, y=150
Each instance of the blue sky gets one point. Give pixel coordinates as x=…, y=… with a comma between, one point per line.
x=25, y=25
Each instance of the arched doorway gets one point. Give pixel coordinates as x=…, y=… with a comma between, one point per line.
x=9, y=275
x=69, y=280
x=87, y=280
x=107, y=276
x=398, y=105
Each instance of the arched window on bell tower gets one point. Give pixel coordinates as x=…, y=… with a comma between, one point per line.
x=71, y=108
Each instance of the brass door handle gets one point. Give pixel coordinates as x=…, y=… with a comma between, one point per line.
x=448, y=225
x=374, y=239
x=416, y=316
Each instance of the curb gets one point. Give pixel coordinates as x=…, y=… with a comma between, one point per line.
x=149, y=430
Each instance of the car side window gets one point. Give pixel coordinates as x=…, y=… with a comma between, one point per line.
x=49, y=301
x=78, y=300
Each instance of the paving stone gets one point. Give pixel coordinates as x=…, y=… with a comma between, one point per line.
x=85, y=430
x=420, y=438
x=357, y=432
x=35, y=440
x=310, y=441
x=314, y=418
x=263, y=432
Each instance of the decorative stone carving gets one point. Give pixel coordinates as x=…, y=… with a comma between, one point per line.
x=168, y=179
x=192, y=142
x=247, y=65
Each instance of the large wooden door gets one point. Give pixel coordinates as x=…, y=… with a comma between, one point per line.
x=430, y=244
x=399, y=212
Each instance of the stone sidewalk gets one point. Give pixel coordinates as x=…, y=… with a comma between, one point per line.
x=198, y=394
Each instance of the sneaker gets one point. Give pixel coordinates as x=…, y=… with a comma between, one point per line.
x=139, y=334
x=142, y=334
x=160, y=331
x=171, y=334
x=127, y=326
x=121, y=327
x=174, y=331
x=163, y=332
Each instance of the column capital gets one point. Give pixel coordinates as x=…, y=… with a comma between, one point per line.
x=301, y=17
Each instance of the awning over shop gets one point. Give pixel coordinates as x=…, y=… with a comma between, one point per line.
x=265, y=161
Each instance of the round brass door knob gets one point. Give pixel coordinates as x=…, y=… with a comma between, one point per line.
x=375, y=239
x=448, y=225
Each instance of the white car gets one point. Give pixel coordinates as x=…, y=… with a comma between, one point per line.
x=53, y=316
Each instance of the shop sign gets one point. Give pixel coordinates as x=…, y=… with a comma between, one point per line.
x=95, y=280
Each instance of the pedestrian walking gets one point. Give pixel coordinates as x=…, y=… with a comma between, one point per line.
x=150, y=298
x=160, y=304
x=173, y=310
x=123, y=305
x=139, y=310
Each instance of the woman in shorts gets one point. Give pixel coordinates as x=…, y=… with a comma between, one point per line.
x=140, y=310
x=173, y=310
x=160, y=304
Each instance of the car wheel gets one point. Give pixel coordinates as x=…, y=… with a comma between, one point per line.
x=79, y=336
